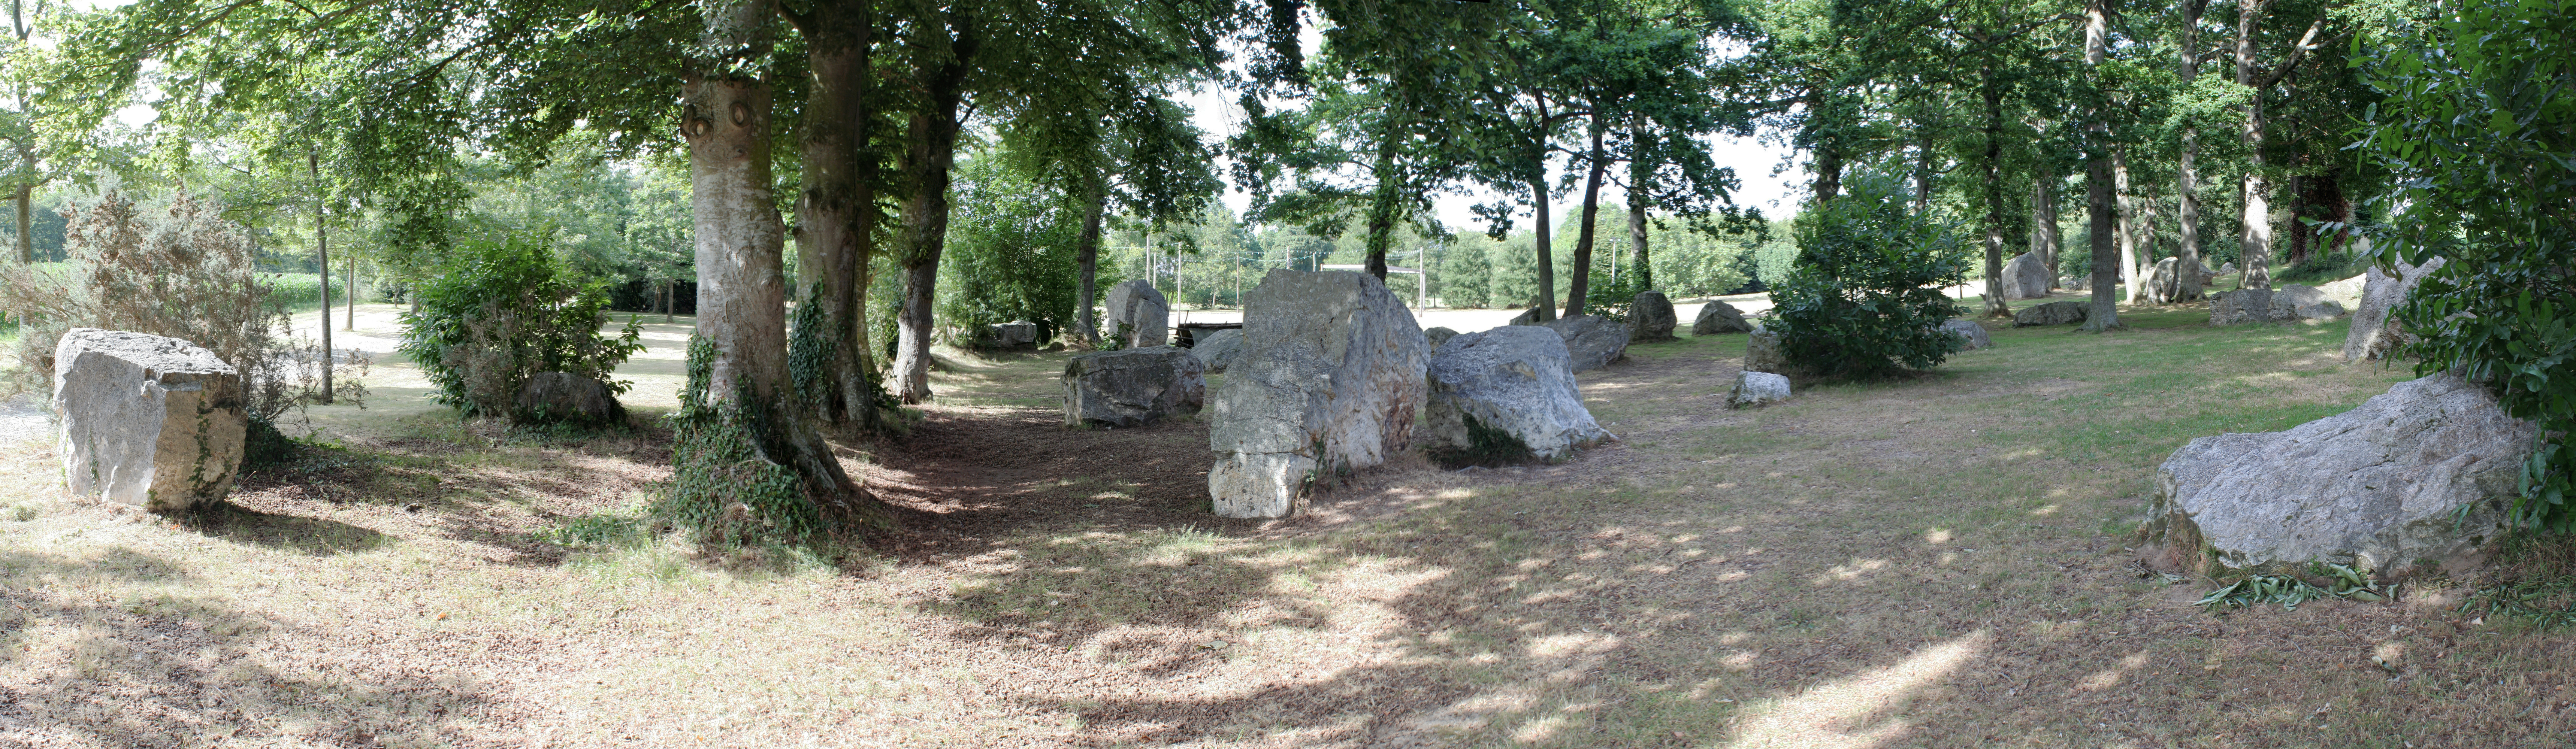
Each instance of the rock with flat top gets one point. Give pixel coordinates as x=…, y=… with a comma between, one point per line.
x=1506, y=395
x=1216, y=350
x=1132, y=387
x=2067, y=312
x=2415, y=479
x=147, y=421
x=1651, y=317
x=1329, y=381
x=1719, y=317
x=2294, y=302
x=1017, y=334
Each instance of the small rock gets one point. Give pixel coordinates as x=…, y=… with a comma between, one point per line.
x=1762, y=353
x=1970, y=330
x=1437, y=336
x=1216, y=350
x=413, y=507
x=1136, y=307
x=567, y=397
x=2053, y=313
x=1719, y=317
x=1757, y=388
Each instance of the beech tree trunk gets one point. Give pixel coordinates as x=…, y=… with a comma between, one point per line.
x=930, y=150
x=322, y=261
x=2044, y=237
x=2098, y=197
x=348, y=294
x=837, y=208
x=1578, y=286
x=1995, y=305
x=1643, y=266
x=1545, y=300
x=2186, y=171
x=2132, y=273
x=2256, y=257
x=1086, y=259
x=26, y=238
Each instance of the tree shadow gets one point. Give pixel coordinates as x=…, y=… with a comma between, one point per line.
x=303, y=535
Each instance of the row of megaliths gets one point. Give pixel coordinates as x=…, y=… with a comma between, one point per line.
x=1331, y=374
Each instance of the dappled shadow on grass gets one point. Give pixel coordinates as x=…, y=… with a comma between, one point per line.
x=302, y=535
x=184, y=669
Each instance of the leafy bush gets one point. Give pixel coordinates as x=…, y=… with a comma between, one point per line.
x=178, y=270
x=500, y=312
x=1864, y=299
x=1610, y=299
x=2479, y=132
x=1010, y=254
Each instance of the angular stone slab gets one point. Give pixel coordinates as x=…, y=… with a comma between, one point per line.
x=1594, y=341
x=1651, y=317
x=2373, y=333
x=147, y=421
x=2053, y=313
x=1136, y=307
x=2025, y=277
x=1506, y=393
x=1217, y=350
x=1329, y=380
x=1132, y=387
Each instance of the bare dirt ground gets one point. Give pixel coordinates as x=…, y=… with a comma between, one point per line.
x=1940, y=561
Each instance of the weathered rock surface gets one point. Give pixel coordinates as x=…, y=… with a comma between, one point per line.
x=1217, y=350
x=1506, y=394
x=1970, y=330
x=2373, y=333
x=1757, y=388
x=2165, y=282
x=568, y=397
x=1437, y=336
x=1329, y=380
x=1137, y=308
x=2053, y=313
x=2289, y=303
x=2378, y=487
x=1132, y=387
x=1017, y=334
x=1719, y=317
x=2240, y=306
x=2297, y=302
x=1762, y=353
x=147, y=421
x=1594, y=341
x=1526, y=317
x=1651, y=317
x=2026, y=277
x=2227, y=268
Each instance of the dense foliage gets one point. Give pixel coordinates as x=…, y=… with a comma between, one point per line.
x=500, y=311
x=2480, y=128
x=1865, y=298
x=1010, y=253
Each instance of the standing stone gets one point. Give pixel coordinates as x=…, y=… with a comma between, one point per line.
x=1719, y=317
x=1132, y=387
x=1969, y=329
x=2240, y=306
x=2026, y=277
x=2418, y=476
x=147, y=421
x=1594, y=341
x=1437, y=336
x=1328, y=382
x=568, y=397
x=1137, y=308
x=2227, y=268
x=2053, y=313
x=1505, y=395
x=2373, y=332
x=1651, y=317
x=1762, y=353
x=1757, y=388
x=1216, y=350
x=2164, y=283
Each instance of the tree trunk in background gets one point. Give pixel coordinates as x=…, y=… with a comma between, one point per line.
x=2256, y=257
x=1580, y=284
x=2098, y=197
x=1086, y=260
x=2126, y=205
x=2299, y=209
x=2044, y=237
x=322, y=261
x=1644, y=266
x=930, y=150
x=1995, y=305
x=1923, y=170
x=348, y=294
x=836, y=211
x=2186, y=172
x=26, y=238
x=1545, y=301
x=1381, y=213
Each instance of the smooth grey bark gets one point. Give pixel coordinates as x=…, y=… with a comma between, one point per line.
x=2098, y=198
x=1642, y=265
x=1545, y=300
x=836, y=210
x=2044, y=236
x=348, y=294
x=930, y=150
x=2132, y=271
x=1086, y=260
x=1995, y=305
x=322, y=259
x=26, y=239
x=2186, y=169
x=2257, y=215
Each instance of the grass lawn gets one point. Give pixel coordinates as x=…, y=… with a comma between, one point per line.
x=1940, y=561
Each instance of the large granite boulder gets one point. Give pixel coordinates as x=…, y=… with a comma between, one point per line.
x=1719, y=317
x=1136, y=308
x=2240, y=306
x=1329, y=380
x=568, y=397
x=1651, y=317
x=2165, y=282
x=2291, y=302
x=1216, y=350
x=1506, y=395
x=147, y=421
x=1437, y=336
x=1969, y=330
x=2416, y=477
x=1762, y=353
x=2373, y=333
x=1757, y=388
x=1017, y=334
x=1594, y=341
x=1132, y=387
x=2297, y=302
x=2026, y=277
x=2053, y=313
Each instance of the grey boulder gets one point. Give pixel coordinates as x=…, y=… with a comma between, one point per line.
x=1506, y=394
x=1217, y=350
x=2298, y=302
x=1592, y=340
x=1329, y=380
x=2373, y=333
x=1757, y=388
x=2291, y=302
x=2415, y=478
x=1017, y=334
x=2053, y=313
x=1651, y=317
x=1132, y=387
x=1138, y=316
x=1762, y=353
x=2240, y=306
x=2165, y=284
x=1526, y=317
x=2026, y=277
x=1974, y=334
x=1437, y=336
x=1719, y=317
x=567, y=397
x=147, y=421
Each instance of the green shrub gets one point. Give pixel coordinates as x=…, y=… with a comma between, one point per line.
x=1864, y=299
x=1609, y=299
x=2478, y=132
x=500, y=312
